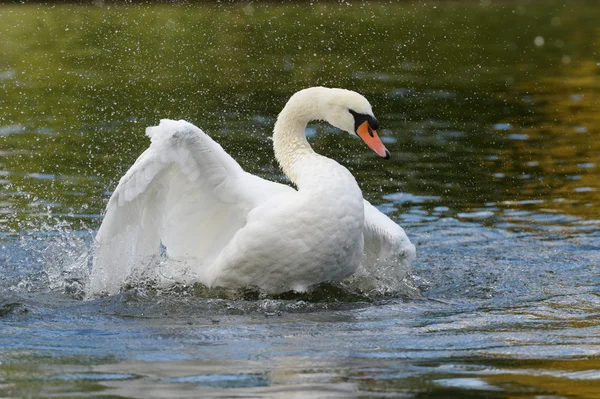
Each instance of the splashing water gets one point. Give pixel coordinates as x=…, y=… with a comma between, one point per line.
x=64, y=259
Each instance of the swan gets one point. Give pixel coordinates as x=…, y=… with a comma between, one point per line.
x=186, y=198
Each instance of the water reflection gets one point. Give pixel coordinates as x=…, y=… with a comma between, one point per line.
x=476, y=115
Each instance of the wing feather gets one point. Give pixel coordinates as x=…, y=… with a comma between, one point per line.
x=185, y=192
x=388, y=255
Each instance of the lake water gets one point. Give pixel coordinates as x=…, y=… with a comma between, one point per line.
x=490, y=110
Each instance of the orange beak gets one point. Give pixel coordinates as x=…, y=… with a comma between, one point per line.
x=370, y=137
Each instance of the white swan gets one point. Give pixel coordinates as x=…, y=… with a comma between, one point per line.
x=224, y=227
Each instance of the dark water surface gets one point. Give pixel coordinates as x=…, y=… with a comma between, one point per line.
x=490, y=111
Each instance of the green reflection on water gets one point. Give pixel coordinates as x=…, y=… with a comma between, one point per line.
x=477, y=113
x=472, y=377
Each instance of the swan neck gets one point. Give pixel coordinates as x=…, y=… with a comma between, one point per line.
x=289, y=138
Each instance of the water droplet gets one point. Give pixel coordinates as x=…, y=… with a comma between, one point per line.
x=539, y=41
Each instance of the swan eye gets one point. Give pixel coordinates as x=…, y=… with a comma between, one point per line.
x=359, y=119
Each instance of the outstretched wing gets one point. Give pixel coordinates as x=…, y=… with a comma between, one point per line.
x=184, y=192
x=388, y=255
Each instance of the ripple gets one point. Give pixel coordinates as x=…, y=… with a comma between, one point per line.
x=407, y=198
x=92, y=377
x=403, y=92
x=550, y=351
x=310, y=132
x=523, y=202
x=12, y=129
x=441, y=94
x=41, y=176
x=223, y=380
x=9, y=74
x=264, y=120
x=381, y=76
x=518, y=136
x=45, y=130
x=9, y=308
x=576, y=375
x=502, y=126
x=586, y=165
x=476, y=215
x=584, y=189
x=466, y=383
x=447, y=135
x=576, y=97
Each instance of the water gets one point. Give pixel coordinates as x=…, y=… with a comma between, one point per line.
x=490, y=112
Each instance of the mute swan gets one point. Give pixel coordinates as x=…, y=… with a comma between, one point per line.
x=224, y=227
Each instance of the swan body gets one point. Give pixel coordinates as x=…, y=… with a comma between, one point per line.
x=222, y=226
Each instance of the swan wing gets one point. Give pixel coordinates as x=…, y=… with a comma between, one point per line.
x=388, y=254
x=184, y=192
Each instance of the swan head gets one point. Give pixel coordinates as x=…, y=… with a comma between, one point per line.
x=351, y=112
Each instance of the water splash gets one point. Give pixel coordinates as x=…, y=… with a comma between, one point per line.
x=59, y=260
